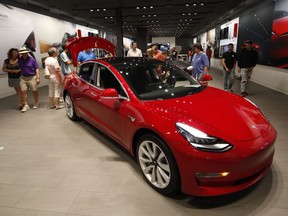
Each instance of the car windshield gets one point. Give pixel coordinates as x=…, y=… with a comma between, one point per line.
x=154, y=80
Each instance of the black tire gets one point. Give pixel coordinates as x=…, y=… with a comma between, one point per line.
x=70, y=110
x=157, y=164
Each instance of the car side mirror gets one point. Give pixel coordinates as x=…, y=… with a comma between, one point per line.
x=207, y=77
x=109, y=92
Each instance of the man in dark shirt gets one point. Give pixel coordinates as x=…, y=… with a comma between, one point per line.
x=247, y=60
x=228, y=60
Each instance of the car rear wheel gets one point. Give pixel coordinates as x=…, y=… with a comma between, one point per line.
x=70, y=110
x=158, y=164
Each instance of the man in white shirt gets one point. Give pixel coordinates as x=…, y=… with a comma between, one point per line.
x=134, y=51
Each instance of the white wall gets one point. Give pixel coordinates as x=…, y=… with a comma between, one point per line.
x=270, y=77
x=16, y=25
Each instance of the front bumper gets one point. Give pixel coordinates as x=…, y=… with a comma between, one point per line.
x=212, y=174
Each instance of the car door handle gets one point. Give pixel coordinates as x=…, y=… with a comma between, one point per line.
x=132, y=119
x=92, y=93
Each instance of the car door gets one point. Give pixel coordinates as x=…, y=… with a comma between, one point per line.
x=110, y=114
x=82, y=86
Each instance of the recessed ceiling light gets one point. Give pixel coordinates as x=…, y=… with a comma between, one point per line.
x=137, y=8
x=187, y=5
x=104, y=9
x=144, y=7
x=91, y=10
x=151, y=6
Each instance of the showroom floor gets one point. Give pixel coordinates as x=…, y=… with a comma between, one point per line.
x=51, y=166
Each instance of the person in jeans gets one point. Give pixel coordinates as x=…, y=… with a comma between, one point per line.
x=228, y=60
x=247, y=60
x=200, y=62
x=55, y=79
x=30, y=77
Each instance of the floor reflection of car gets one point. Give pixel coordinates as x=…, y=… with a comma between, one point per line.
x=185, y=137
x=279, y=40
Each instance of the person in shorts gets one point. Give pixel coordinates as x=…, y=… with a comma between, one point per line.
x=30, y=77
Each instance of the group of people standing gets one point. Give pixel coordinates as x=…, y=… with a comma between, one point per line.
x=247, y=60
x=24, y=74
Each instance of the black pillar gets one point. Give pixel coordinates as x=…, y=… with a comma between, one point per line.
x=119, y=29
x=141, y=39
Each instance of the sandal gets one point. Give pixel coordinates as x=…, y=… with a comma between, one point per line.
x=59, y=107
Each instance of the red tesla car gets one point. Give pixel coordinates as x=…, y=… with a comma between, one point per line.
x=279, y=40
x=185, y=136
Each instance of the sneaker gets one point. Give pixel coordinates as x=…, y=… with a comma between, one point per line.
x=59, y=107
x=25, y=108
x=35, y=106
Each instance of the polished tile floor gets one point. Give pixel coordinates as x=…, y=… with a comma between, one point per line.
x=51, y=166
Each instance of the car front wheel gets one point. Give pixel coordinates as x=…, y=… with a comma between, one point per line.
x=158, y=164
x=70, y=110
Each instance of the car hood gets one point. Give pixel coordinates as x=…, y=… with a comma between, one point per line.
x=215, y=112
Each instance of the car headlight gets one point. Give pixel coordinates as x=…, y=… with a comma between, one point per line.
x=202, y=141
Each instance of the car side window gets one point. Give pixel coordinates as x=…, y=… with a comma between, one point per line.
x=87, y=72
x=106, y=79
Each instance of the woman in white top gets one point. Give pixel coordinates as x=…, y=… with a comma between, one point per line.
x=55, y=80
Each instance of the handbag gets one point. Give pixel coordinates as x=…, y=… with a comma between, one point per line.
x=46, y=73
